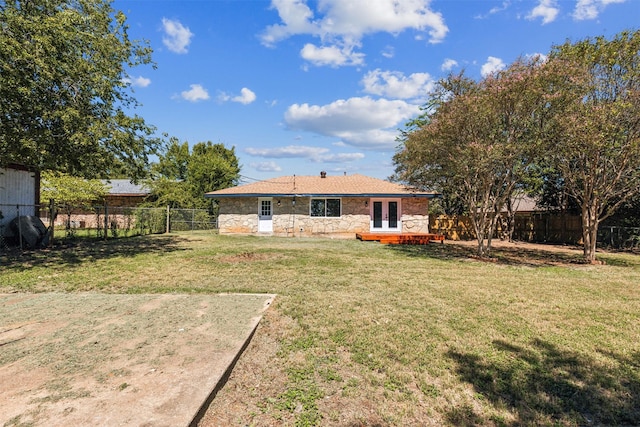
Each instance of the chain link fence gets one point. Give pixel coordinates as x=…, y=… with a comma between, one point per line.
x=100, y=222
x=626, y=238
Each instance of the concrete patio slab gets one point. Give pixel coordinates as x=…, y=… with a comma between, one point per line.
x=107, y=360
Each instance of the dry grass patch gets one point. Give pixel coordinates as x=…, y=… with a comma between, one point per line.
x=367, y=334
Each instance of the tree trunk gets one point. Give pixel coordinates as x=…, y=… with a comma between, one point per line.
x=493, y=224
x=509, y=220
x=589, y=232
x=484, y=228
x=480, y=238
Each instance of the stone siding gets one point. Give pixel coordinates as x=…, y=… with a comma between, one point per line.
x=240, y=216
x=415, y=215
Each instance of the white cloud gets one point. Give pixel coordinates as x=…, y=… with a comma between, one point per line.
x=266, y=167
x=394, y=84
x=246, y=96
x=296, y=17
x=195, y=94
x=492, y=65
x=546, y=9
x=331, y=55
x=539, y=56
x=448, y=64
x=496, y=9
x=288, y=152
x=315, y=154
x=388, y=52
x=138, y=81
x=590, y=9
x=341, y=25
x=505, y=5
x=341, y=157
x=362, y=122
x=374, y=139
x=177, y=37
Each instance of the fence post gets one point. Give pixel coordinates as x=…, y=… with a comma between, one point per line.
x=51, y=220
x=19, y=226
x=168, y=229
x=106, y=221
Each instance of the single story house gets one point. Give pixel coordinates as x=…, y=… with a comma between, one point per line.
x=122, y=196
x=322, y=205
x=123, y=192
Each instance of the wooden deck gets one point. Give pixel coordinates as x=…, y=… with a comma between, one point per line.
x=401, y=238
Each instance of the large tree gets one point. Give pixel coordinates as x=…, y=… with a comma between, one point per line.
x=478, y=142
x=595, y=143
x=181, y=177
x=212, y=167
x=70, y=192
x=65, y=95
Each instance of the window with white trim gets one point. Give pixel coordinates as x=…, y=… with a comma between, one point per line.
x=326, y=207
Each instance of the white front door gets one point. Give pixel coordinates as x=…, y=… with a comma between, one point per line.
x=265, y=215
x=385, y=215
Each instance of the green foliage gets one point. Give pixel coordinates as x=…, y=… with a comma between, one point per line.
x=595, y=143
x=64, y=88
x=70, y=190
x=212, y=167
x=150, y=221
x=174, y=162
x=565, y=129
x=181, y=177
x=476, y=144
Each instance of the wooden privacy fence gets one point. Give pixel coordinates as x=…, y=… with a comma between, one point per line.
x=529, y=227
x=548, y=227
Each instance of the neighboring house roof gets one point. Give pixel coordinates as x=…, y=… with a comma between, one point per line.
x=321, y=186
x=124, y=187
x=524, y=203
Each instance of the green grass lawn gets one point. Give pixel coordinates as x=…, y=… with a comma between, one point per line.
x=365, y=334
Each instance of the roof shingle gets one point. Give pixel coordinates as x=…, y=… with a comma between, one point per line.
x=340, y=185
x=124, y=187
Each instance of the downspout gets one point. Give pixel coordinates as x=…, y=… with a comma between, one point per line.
x=428, y=219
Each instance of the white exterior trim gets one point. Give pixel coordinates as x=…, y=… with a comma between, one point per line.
x=265, y=215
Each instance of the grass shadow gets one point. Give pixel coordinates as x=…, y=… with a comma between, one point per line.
x=517, y=255
x=544, y=385
x=76, y=252
x=441, y=251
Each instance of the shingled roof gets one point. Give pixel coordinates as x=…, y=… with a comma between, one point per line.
x=321, y=186
x=124, y=187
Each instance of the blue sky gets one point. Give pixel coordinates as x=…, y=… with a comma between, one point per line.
x=302, y=86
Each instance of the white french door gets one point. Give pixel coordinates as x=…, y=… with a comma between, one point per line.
x=385, y=215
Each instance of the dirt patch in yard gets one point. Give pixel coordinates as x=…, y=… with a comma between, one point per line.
x=98, y=359
x=247, y=257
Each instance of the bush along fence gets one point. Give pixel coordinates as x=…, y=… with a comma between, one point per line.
x=103, y=222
